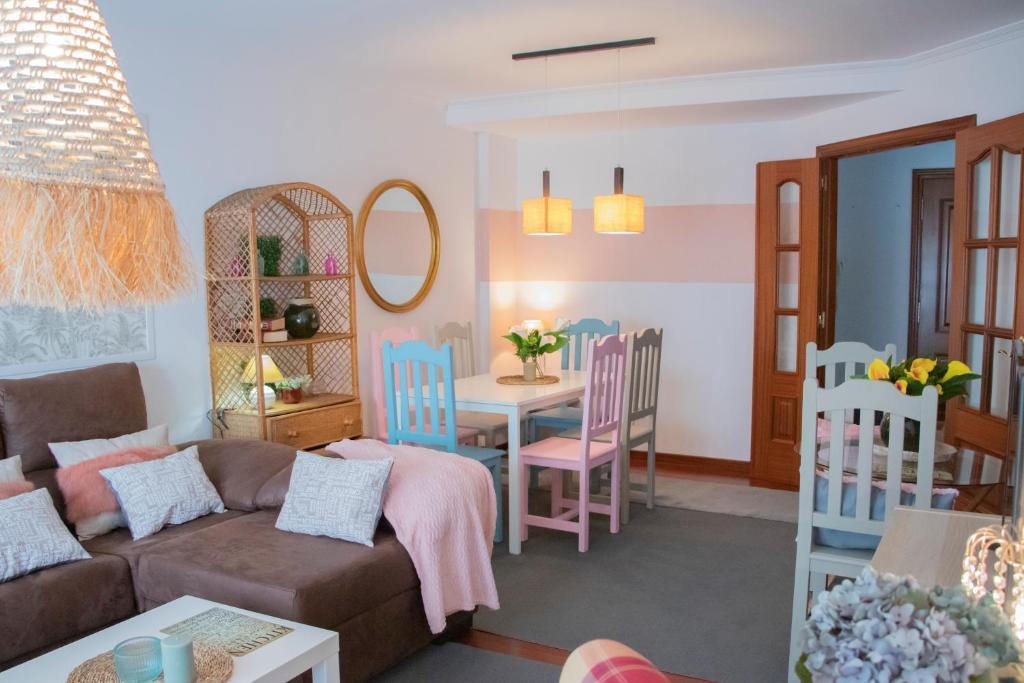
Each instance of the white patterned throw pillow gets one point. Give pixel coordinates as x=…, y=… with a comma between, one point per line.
x=10, y=469
x=172, y=490
x=32, y=536
x=334, y=497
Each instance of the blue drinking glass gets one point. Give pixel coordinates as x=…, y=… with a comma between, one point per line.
x=138, y=660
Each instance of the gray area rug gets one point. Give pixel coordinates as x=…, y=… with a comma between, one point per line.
x=710, y=496
x=699, y=594
x=456, y=662
x=726, y=499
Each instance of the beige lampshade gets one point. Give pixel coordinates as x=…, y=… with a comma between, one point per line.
x=547, y=216
x=619, y=214
x=84, y=221
x=271, y=373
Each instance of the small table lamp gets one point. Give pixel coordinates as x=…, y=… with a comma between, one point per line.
x=271, y=374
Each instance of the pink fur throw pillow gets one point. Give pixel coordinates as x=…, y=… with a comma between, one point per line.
x=89, y=501
x=10, y=489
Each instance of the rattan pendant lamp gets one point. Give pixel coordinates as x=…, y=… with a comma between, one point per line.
x=84, y=222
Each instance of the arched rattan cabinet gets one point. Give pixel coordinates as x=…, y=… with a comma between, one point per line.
x=305, y=220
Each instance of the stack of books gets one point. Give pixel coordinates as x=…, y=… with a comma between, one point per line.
x=273, y=330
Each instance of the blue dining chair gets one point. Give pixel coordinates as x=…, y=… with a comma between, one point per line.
x=424, y=421
x=570, y=416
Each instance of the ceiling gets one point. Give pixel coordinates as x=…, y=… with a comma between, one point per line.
x=452, y=50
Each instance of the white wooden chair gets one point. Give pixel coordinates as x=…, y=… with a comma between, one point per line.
x=842, y=360
x=813, y=562
x=493, y=428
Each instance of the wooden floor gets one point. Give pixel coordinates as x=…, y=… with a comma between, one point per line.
x=536, y=652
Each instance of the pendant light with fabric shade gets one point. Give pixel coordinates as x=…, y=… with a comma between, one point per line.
x=619, y=213
x=547, y=215
x=84, y=221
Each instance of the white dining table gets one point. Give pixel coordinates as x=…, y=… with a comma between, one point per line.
x=483, y=394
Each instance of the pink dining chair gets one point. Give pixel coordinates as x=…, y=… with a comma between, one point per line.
x=396, y=335
x=602, y=414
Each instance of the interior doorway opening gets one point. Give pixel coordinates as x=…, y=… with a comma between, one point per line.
x=893, y=221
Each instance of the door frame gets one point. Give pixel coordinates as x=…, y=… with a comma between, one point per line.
x=831, y=153
x=916, y=236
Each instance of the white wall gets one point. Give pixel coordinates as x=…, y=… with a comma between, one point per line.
x=873, y=242
x=226, y=110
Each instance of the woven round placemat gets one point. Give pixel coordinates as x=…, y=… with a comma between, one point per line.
x=213, y=665
x=518, y=379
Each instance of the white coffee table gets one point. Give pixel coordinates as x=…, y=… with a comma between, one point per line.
x=303, y=649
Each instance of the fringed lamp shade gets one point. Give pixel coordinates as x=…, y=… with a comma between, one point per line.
x=84, y=221
x=547, y=215
x=619, y=214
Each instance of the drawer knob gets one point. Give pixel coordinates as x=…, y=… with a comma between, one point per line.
x=349, y=422
x=292, y=433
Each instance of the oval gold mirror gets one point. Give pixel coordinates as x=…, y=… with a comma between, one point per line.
x=398, y=245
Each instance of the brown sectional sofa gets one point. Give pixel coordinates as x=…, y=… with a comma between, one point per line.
x=370, y=596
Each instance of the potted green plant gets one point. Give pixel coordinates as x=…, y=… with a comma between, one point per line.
x=268, y=308
x=533, y=343
x=289, y=389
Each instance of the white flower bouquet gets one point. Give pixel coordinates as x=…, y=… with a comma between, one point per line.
x=885, y=628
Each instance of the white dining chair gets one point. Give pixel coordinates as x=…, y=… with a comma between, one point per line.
x=493, y=428
x=843, y=360
x=853, y=513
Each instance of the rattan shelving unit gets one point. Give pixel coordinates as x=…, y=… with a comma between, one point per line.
x=310, y=221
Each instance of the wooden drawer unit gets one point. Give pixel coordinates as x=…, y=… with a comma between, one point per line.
x=316, y=421
x=316, y=427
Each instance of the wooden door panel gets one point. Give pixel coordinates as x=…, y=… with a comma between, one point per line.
x=986, y=304
x=785, y=311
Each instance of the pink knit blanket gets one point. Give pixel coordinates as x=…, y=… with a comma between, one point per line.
x=442, y=508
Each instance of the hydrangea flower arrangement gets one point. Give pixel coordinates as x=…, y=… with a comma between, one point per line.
x=883, y=627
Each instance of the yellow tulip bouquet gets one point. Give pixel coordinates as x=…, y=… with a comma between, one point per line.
x=913, y=375
x=910, y=377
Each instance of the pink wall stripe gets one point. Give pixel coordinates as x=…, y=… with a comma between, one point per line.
x=683, y=243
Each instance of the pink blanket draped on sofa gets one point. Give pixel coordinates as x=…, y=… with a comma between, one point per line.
x=442, y=508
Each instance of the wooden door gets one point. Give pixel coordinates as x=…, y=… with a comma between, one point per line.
x=785, y=312
x=931, y=239
x=986, y=303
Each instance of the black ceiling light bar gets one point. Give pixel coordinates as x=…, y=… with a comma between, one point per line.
x=593, y=47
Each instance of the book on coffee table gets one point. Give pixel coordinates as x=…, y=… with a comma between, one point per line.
x=237, y=633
